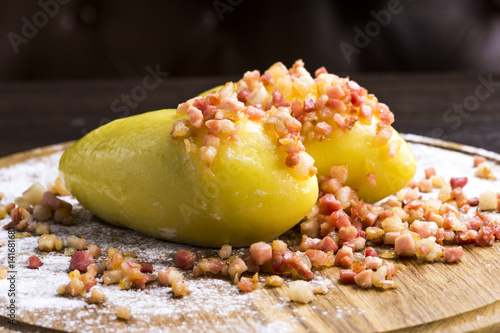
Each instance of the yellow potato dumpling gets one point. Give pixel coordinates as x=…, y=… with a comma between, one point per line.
x=209, y=174
x=341, y=125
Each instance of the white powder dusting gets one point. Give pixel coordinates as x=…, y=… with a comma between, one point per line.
x=36, y=289
x=208, y=298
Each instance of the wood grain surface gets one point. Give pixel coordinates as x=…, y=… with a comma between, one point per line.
x=429, y=297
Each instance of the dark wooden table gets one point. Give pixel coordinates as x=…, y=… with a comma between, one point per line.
x=460, y=107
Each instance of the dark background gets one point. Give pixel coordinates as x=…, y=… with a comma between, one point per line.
x=62, y=79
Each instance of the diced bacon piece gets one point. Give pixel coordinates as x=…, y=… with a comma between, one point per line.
x=339, y=172
x=261, y=252
x=317, y=257
x=390, y=237
x=255, y=113
x=309, y=105
x=347, y=234
x=182, y=108
x=354, y=86
x=34, y=262
x=327, y=244
x=425, y=186
x=344, y=257
x=237, y=267
x=146, y=267
x=196, y=117
x=347, y=276
x=339, y=219
x=267, y=79
x=474, y=223
x=453, y=254
x=387, y=117
x=485, y=237
x=167, y=276
x=339, y=121
x=458, y=182
x=319, y=71
x=429, y=172
x=279, y=262
x=474, y=201
x=370, y=252
x=391, y=268
x=356, y=100
x=324, y=128
x=243, y=95
x=335, y=92
x=424, y=229
x=94, y=250
x=383, y=135
x=335, y=104
x=404, y=245
x=465, y=237
x=80, y=261
x=231, y=104
x=496, y=230
x=185, y=259
x=393, y=148
x=329, y=204
x=372, y=262
x=252, y=266
x=301, y=268
x=364, y=278
x=277, y=97
x=478, y=160
x=309, y=243
x=201, y=103
x=365, y=112
x=246, y=286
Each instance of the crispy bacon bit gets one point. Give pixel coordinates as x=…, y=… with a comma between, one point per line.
x=274, y=281
x=324, y=128
x=365, y=112
x=328, y=204
x=383, y=135
x=319, y=71
x=80, y=261
x=371, y=179
x=300, y=267
x=225, y=251
x=236, y=268
x=76, y=242
x=261, y=252
x=429, y=172
x=246, y=285
x=317, y=257
x=364, y=279
x=453, y=254
x=347, y=276
x=370, y=252
x=393, y=148
x=344, y=257
x=185, y=259
x=485, y=236
x=35, y=262
x=146, y=267
x=478, y=160
x=404, y=245
x=458, y=182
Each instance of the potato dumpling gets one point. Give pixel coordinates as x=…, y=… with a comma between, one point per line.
x=342, y=126
x=168, y=175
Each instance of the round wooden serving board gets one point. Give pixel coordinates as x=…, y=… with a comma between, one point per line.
x=429, y=297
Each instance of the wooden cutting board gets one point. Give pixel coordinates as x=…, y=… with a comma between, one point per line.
x=429, y=297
